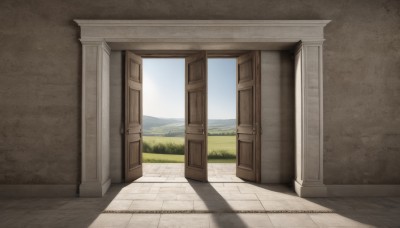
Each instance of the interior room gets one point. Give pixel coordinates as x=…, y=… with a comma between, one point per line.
x=199, y=113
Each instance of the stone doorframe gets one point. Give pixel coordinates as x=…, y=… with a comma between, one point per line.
x=98, y=37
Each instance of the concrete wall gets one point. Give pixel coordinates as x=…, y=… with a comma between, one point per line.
x=277, y=111
x=116, y=115
x=40, y=81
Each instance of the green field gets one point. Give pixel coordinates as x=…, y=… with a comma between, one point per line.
x=162, y=139
x=215, y=143
x=227, y=143
x=174, y=158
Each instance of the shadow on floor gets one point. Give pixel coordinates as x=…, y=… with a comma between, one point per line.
x=212, y=201
x=54, y=212
x=82, y=212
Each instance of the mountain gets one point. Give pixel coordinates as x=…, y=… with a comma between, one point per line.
x=175, y=126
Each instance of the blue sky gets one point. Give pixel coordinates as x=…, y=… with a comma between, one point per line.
x=164, y=85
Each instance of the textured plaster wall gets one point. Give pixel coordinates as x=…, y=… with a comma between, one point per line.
x=40, y=80
x=116, y=115
x=277, y=117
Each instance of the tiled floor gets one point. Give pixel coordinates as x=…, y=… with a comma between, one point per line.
x=167, y=172
x=169, y=200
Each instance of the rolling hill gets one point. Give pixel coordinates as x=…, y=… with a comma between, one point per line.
x=175, y=126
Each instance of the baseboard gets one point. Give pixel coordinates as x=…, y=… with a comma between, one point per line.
x=46, y=191
x=105, y=186
x=94, y=189
x=363, y=190
x=310, y=191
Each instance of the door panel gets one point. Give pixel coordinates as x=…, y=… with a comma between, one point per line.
x=196, y=146
x=133, y=117
x=196, y=117
x=245, y=70
x=245, y=110
x=248, y=92
x=246, y=159
x=134, y=107
x=195, y=112
x=134, y=151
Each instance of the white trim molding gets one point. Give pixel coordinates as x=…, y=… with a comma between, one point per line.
x=98, y=36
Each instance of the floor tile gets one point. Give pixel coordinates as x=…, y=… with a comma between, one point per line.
x=151, y=205
x=119, y=205
x=177, y=205
x=144, y=220
x=137, y=196
x=112, y=220
x=240, y=220
x=329, y=220
x=188, y=196
x=184, y=220
x=241, y=205
x=166, y=196
x=236, y=196
x=284, y=205
x=292, y=220
x=215, y=206
x=377, y=220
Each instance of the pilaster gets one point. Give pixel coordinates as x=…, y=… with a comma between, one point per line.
x=309, y=120
x=95, y=118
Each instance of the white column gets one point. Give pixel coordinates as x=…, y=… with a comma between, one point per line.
x=309, y=120
x=95, y=119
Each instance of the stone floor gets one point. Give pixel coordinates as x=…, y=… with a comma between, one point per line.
x=163, y=198
x=173, y=172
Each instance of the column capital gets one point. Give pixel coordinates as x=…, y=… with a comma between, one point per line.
x=96, y=42
x=307, y=43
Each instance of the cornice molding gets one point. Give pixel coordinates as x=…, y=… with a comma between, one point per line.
x=202, y=31
x=213, y=23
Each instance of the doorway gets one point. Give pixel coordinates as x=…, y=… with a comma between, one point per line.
x=303, y=38
x=163, y=117
x=222, y=119
x=246, y=133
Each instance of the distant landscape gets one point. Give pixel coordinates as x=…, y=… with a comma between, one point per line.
x=170, y=127
x=163, y=140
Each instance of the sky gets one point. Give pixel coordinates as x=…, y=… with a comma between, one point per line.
x=164, y=88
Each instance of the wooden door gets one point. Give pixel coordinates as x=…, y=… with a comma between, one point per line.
x=196, y=117
x=248, y=132
x=133, y=117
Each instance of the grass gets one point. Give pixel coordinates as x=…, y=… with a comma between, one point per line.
x=175, y=158
x=218, y=143
x=221, y=149
x=162, y=158
x=161, y=139
x=164, y=148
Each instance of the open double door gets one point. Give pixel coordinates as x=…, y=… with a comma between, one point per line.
x=248, y=116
